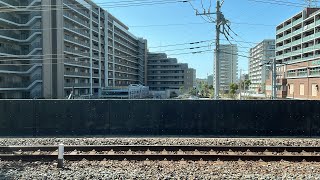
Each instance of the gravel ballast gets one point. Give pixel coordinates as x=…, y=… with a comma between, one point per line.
x=160, y=169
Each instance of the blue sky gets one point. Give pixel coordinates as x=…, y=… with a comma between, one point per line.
x=176, y=23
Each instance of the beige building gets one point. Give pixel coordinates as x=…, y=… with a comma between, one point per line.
x=167, y=74
x=298, y=52
x=75, y=45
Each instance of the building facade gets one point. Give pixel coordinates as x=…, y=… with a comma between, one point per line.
x=167, y=74
x=260, y=55
x=298, y=53
x=75, y=45
x=210, y=80
x=228, y=58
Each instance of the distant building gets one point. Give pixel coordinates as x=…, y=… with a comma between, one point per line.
x=297, y=55
x=228, y=58
x=260, y=55
x=133, y=91
x=166, y=73
x=210, y=80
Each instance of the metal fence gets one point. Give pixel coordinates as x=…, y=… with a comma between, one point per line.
x=159, y=117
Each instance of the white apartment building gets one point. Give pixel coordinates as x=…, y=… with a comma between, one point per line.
x=228, y=58
x=260, y=55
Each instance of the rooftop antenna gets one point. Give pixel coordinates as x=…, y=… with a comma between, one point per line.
x=312, y=3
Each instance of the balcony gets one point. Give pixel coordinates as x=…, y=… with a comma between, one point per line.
x=77, y=41
x=5, y=50
x=10, y=2
x=308, y=38
x=79, y=31
x=308, y=49
x=7, y=16
x=14, y=84
x=296, y=52
x=76, y=85
x=296, y=42
x=314, y=73
x=81, y=74
x=95, y=11
x=95, y=38
x=95, y=29
x=79, y=63
x=298, y=21
x=299, y=31
x=76, y=19
x=80, y=53
x=309, y=26
x=77, y=9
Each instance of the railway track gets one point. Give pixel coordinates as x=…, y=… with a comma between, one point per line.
x=176, y=153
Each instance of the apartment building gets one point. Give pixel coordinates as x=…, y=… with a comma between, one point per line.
x=167, y=74
x=228, y=58
x=68, y=45
x=298, y=53
x=210, y=80
x=260, y=55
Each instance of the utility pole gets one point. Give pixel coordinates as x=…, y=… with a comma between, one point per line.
x=220, y=21
x=217, y=63
x=240, y=84
x=274, y=79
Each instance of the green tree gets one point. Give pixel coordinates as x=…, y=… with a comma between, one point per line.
x=233, y=89
x=181, y=90
x=193, y=91
x=247, y=83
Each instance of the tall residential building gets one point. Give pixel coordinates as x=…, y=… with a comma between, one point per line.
x=260, y=55
x=167, y=74
x=228, y=58
x=210, y=80
x=69, y=44
x=298, y=54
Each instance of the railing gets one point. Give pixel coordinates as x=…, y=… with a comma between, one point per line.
x=9, y=51
x=76, y=52
x=95, y=38
x=307, y=38
x=76, y=84
x=303, y=73
x=21, y=68
x=7, y=16
x=95, y=29
x=77, y=30
x=10, y=34
x=76, y=8
x=297, y=31
x=296, y=21
x=95, y=10
x=314, y=73
x=80, y=63
x=14, y=84
x=11, y=2
x=83, y=43
x=309, y=26
x=72, y=73
x=296, y=42
x=80, y=21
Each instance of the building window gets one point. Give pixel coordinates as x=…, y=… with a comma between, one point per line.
x=291, y=87
x=314, y=90
x=301, y=89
